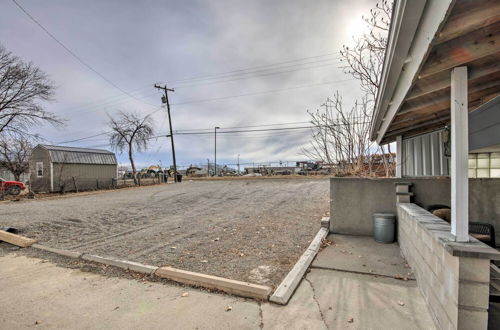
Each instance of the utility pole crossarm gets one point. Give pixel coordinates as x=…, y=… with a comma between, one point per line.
x=164, y=88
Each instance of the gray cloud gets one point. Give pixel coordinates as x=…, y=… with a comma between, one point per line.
x=136, y=44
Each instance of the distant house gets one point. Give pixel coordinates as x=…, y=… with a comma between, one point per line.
x=7, y=175
x=272, y=170
x=194, y=171
x=58, y=168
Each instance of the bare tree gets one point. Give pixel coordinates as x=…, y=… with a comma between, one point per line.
x=22, y=87
x=132, y=132
x=341, y=135
x=15, y=152
x=364, y=60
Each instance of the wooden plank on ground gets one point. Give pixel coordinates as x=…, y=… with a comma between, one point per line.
x=292, y=280
x=244, y=289
x=16, y=239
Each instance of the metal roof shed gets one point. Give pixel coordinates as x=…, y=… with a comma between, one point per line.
x=61, y=168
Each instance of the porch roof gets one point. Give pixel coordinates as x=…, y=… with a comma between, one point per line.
x=427, y=39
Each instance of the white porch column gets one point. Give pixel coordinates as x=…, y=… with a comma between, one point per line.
x=399, y=156
x=459, y=155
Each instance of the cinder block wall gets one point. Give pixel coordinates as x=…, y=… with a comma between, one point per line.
x=354, y=200
x=456, y=288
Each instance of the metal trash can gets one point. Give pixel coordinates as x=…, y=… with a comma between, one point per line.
x=179, y=177
x=384, y=227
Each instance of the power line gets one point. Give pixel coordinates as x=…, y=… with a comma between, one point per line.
x=189, y=130
x=247, y=94
x=264, y=72
x=255, y=76
x=209, y=131
x=78, y=58
x=84, y=138
x=114, y=102
x=224, y=73
x=246, y=131
x=232, y=135
x=263, y=125
x=110, y=100
x=251, y=68
x=260, y=93
x=107, y=132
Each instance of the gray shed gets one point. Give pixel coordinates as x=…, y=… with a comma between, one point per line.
x=58, y=168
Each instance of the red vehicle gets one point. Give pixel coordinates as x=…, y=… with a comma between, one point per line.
x=11, y=187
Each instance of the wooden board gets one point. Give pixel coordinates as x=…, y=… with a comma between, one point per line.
x=243, y=289
x=292, y=280
x=16, y=239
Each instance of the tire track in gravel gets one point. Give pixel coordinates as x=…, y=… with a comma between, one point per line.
x=223, y=228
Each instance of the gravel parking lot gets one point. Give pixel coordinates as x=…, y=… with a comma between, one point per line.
x=250, y=230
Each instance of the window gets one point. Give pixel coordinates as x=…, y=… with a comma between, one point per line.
x=484, y=165
x=39, y=169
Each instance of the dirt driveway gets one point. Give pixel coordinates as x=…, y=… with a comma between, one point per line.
x=250, y=230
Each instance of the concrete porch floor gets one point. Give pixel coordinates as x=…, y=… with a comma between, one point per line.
x=357, y=278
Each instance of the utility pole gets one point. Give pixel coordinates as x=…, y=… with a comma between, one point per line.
x=238, y=164
x=164, y=100
x=208, y=167
x=215, y=153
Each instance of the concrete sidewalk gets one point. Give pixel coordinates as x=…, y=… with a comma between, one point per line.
x=38, y=293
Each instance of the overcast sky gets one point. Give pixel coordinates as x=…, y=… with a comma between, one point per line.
x=135, y=44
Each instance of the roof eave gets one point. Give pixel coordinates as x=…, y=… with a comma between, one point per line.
x=415, y=25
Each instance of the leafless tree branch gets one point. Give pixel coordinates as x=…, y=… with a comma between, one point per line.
x=130, y=132
x=23, y=87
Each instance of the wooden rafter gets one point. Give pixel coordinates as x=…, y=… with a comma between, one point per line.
x=469, y=37
x=462, y=50
x=434, y=117
x=442, y=101
x=417, y=129
x=478, y=71
x=483, y=14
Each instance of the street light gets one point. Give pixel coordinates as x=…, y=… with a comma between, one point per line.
x=215, y=156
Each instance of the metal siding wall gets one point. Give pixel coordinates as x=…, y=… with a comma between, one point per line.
x=424, y=155
x=435, y=154
x=86, y=176
x=410, y=159
x=417, y=155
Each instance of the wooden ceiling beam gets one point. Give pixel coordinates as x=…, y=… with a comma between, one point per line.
x=426, y=87
x=477, y=89
x=417, y=129
x=485, y=13
x=462, y=50
x=421, y=118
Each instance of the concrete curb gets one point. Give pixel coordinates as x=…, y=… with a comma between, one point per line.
x=292, y=280
x=242, y=289
x=124, y=264
x=325, y=222
x=66, y=253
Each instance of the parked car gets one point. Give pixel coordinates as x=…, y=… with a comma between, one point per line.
x=11, y=187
